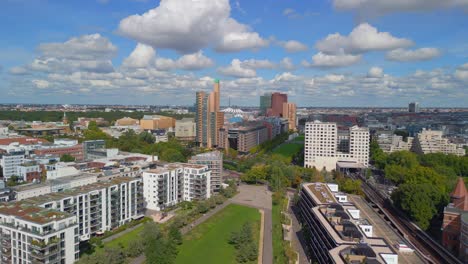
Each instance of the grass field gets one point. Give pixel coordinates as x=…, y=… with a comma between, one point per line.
x=209, y=241
x=300, y=138
x=288, y=150
x=125, y=239
x=279, y=256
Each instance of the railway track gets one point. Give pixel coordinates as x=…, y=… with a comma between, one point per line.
x=428, y=248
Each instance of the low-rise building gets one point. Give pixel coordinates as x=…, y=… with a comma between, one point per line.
x=33, y=234
x=29, y=171
x=152, y=122
x=127, y=121
x=214, y=161
x=90, y=145
x=176, y=182
x=336, y=232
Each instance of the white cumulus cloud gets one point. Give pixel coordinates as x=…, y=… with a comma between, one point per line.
x=188, y=26
x=237, y=70
x=142, y=56
x=362, y=39
x=375, y=72
x=322, y=60
x=404, y=55
x=381, y=7
x=258, y=64
x=194, y=61
x=293, y=46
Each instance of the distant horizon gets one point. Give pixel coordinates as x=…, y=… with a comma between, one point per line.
x=322, y=53
x=226, y=106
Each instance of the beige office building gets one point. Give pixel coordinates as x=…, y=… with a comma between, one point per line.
x=152, y=122
x=289, y=113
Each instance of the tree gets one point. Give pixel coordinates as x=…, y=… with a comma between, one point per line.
x=172, y=155
x=135, y=248
x=255, y=174
x=175, y=234
x=147, y=137
x=67, y=158
x=420, y=201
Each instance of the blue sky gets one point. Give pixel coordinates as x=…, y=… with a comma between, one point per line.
x=322, y=53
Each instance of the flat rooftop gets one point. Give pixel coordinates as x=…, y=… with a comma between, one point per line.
x=320, y=193
x=32, y=213
x=77, y=191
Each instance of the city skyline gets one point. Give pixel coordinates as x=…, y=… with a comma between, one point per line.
x=332, y=53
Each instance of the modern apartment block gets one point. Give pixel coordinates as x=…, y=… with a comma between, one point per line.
x=9, y=162
x=208, y=117
x=214, y=161
x=176, y=182
x=325, y=146
x=432, y=141
x=33, y=234
x=98, y=207
x=335, y=231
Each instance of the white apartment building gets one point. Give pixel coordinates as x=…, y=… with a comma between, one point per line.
x=432, y=141
x=174, y=183
x=98, y=207
x=9, y=162
x=214, y=161
x=28, y=171
x=31, y=234
x=324, y=146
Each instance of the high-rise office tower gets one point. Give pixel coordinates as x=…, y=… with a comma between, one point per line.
x=265, y=103
x=277, y=100
x=289, y=112
x=208, y=118
x=413, y=107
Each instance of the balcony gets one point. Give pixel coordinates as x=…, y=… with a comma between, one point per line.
x=44, y=254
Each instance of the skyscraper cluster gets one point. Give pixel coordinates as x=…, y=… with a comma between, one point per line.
x=276, y=104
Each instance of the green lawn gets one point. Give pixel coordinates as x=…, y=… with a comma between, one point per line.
x=279, y=256
x=125, y=239
x=209, y=241
x=300, y=138
x=288, y=150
